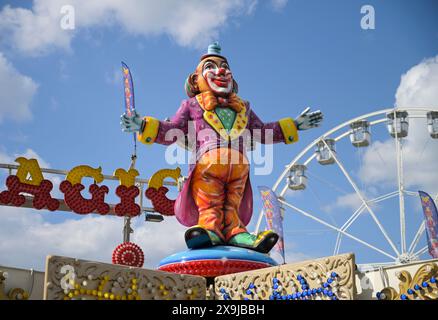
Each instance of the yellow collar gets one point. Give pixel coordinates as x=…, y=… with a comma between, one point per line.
x=210, y=101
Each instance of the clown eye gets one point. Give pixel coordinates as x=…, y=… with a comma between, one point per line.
x=209, y=66
x=225, y=66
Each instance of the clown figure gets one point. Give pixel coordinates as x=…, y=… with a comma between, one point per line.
x=216, y=199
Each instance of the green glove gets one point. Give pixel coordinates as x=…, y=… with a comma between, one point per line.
x=134, y=123
x=308, y=120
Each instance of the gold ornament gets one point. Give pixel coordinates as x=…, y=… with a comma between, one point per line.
x=423, y=274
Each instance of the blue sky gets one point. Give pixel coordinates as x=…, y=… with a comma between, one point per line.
x=285, y=55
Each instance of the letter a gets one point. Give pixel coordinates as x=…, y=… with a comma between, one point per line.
x=368, y=21
x=29, y=168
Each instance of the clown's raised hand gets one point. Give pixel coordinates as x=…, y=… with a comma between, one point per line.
x=133, y=123
x=308, y=120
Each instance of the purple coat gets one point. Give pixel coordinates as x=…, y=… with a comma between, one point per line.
x=205, y=132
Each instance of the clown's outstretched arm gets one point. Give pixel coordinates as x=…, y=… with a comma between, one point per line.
x=151, y=130
x=284, y=130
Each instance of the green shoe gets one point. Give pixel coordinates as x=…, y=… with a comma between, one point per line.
x=197, y=237
x=263, y=242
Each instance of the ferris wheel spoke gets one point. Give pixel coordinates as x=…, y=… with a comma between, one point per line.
x=309, y=215
x=332, y=185
x=411, y=193
x=421, y=251
x=259, y=222
x=353, y=217
x=373, y=266
x=338, y=244
x=346, y=225
x=400, y=179
x=362, y=198
x=384, y=197
x=417, y=237
x=283, y=191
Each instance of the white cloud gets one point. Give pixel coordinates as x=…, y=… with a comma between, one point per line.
x=16, y=92
x=63, y=71
x=32, y=154
x=292, y=254
x=189, y=23
x=291, y=251
x=349, y=201
x=418, y=88
x=33, y=31
x=420, y=154
x=278, y=4
x=29, y=154
x=114, y=77
x=27, y=237
x=5, y=157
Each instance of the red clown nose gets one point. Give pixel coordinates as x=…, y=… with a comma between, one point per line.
x=221, y=72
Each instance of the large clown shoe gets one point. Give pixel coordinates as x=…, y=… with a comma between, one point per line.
x=263, y=242
x=216, y=261
x=198, y=237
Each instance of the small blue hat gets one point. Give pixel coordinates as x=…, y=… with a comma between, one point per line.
x=214, y=50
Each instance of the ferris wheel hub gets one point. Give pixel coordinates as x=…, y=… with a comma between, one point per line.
x=406, y=258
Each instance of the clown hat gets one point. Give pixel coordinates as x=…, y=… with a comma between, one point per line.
x=214, y=50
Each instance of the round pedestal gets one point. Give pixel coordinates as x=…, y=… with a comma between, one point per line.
x=215, y=261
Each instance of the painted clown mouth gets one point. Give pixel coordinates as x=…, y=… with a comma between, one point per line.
x=221, y=82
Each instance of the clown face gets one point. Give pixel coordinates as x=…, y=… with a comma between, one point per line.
x=217, y=75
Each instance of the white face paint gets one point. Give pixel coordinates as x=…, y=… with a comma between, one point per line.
x=219, y=79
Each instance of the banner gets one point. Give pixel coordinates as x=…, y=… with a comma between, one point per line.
x=431, y=220
x=128, y=89
x=274, y=220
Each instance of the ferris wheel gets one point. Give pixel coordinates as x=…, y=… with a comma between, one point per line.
x=395, y=222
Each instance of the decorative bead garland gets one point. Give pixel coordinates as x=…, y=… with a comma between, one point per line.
x=326, y=290
x=130, y=294
x=107, y=288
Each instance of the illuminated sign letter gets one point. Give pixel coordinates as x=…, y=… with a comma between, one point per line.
x=72, y=188
x=157, y=193
x=127, y=191
x=30, y=180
